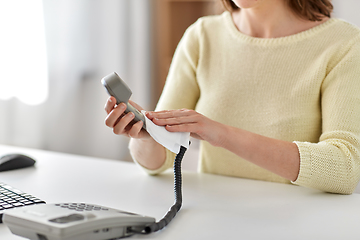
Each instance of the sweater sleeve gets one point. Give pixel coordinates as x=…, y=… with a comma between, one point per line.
x=181, y=89
x=333, y=164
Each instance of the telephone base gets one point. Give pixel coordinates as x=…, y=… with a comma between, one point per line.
x=75, y=221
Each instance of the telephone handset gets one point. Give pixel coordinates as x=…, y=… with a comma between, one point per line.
x=117, y=88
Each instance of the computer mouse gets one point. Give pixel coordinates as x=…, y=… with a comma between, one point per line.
x=15, y=161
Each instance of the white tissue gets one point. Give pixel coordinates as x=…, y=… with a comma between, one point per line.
x=171, y=140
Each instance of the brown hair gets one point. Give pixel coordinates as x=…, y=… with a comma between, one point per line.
x=313, y=10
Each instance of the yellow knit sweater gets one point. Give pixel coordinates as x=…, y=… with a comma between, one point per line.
x=303, y=88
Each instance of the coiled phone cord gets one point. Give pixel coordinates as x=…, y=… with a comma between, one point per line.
x=178, y=197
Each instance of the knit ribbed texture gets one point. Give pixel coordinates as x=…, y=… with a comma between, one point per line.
x=303, y=88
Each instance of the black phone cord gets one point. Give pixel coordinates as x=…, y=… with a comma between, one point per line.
x=178, y=197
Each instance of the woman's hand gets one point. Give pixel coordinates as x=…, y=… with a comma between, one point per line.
x=280, y=157
x=121, y=122
x=185, y=120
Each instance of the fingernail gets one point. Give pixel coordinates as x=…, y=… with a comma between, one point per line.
x=122, y=106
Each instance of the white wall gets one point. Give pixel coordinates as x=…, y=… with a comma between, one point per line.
x=347, y=10
x=99, y=37
x=86, y=40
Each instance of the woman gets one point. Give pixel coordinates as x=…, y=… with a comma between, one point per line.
x=271, y=87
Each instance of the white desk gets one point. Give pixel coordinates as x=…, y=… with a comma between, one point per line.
x=214, y=207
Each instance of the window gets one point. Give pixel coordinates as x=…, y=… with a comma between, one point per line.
x=23, y=69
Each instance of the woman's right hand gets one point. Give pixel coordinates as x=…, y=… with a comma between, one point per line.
x=121, y=122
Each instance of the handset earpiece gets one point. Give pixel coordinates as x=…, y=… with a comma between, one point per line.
x=117, y=88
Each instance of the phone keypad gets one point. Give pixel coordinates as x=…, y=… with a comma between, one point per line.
x=80, y=207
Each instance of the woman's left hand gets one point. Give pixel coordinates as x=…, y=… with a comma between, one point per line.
x=185, y=120
x=278, y=156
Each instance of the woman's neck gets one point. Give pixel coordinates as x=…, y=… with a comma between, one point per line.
x=270, y=20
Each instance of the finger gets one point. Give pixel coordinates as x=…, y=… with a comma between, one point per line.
x=171, y=113
x=135, y=130
x=119, y=128
x=110, y=104
x=175, y=120
x=112, y=118
x=149, y=114
x=137, y=106
x=188, y=127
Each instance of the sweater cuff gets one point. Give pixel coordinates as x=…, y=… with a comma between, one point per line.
x=169, y=163
x=304, y=176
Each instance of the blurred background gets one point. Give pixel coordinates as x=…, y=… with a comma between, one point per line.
x=53, y=55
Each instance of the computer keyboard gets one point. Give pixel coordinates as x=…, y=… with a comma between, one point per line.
x=11, y=197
